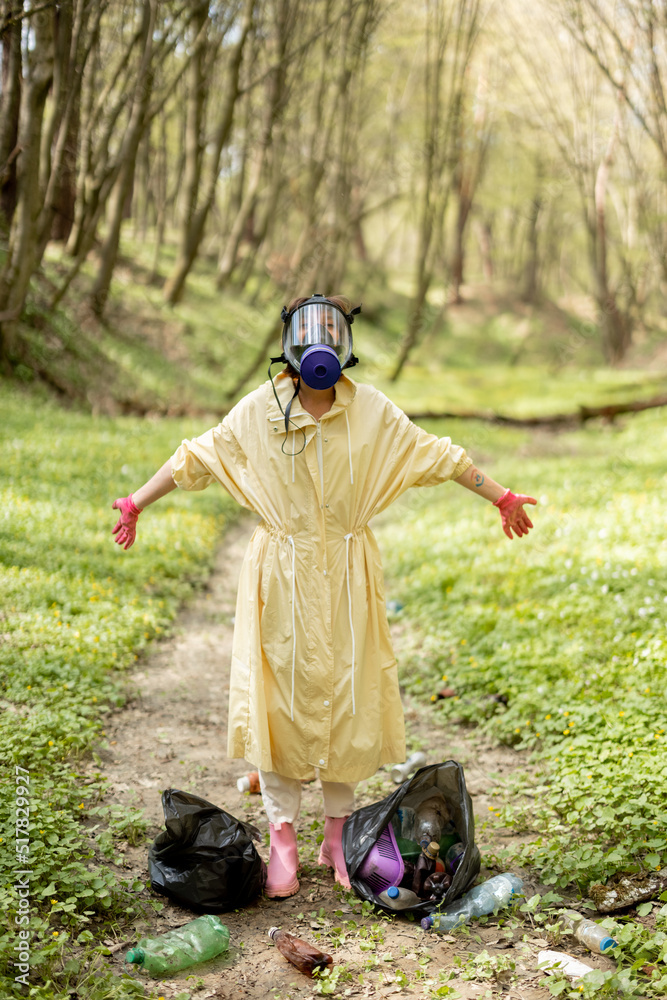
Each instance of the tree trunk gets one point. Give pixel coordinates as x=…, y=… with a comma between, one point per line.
x=123, y=187
x=23, y=237
x=485, y=241
x=450, y=39
x=193, y=139
x=530, y=288
x=614, y=326
x=193, y=233
x=10, y=109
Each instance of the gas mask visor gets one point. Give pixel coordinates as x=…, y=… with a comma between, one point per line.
x=317, y=341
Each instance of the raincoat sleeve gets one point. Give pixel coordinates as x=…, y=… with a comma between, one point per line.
x=215, y=456
x=415, y=457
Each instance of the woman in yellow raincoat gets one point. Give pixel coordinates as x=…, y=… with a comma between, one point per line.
x=314, y=685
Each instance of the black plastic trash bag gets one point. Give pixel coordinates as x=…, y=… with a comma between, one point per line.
x=205, y=859
x=364, y=826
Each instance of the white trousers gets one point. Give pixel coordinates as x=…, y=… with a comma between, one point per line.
x=282, y=797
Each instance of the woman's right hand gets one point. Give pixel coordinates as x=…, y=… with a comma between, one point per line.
x=126, y=528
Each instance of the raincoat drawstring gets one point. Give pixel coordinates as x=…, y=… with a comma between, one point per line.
x=349, y=610
x=291, y=541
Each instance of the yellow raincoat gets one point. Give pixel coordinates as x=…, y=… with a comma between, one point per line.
x=314, y=682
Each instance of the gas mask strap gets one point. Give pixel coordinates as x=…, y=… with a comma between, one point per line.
x=286, y=413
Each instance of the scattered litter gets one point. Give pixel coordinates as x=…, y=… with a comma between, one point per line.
x=588, y=932
x=624, y=890
x=194, y=942
x=572, y=967
x=402, y=771
x=302, y=955
x=249, y=783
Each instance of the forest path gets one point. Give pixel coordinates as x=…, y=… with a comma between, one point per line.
x=172, y=734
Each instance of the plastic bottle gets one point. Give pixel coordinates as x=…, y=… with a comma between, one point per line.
x=453, y=857
x=196, y=941
x=399, y=898
x=432, y=815
x=436, y=885
x=249, y=783
x=402, y=771
x=304, y=956
x=424, y=866
x=409, y=849
x=485, y=898
x=594, y=937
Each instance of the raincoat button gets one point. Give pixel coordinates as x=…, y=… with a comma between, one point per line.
x=326, y=505
x=321, y=760
x=326, y=704
x=325, y=572
x=326, y=440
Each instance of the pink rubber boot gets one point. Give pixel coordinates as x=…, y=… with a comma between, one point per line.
x=283, y=860
x=331, y=851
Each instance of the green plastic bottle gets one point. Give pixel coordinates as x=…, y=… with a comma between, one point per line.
x=194, y=942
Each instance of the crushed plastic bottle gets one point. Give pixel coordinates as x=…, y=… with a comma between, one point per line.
x=402, y=771
x=591, y=935
x=249, y=783
x=302, y=955
x=197, y=941
x=399, y=898
x=491, y=895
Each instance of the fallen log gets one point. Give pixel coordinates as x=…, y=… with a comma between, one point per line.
x=607, y=412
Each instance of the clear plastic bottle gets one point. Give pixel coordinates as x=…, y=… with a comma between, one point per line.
x=431, y=817
x=399, y=898
x=594, y=937
x=491, y=895
x=302, y=955
x=196, y=941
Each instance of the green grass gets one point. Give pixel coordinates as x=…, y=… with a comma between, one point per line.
x=77, y=612
x=566, y=625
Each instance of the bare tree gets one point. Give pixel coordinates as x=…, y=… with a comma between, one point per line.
x=628, y=42
x=10, y=106
x=193, y=230
x=451, y=31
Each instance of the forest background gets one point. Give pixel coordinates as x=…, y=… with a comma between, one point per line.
x=489, y=180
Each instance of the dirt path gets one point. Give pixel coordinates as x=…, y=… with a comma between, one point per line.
x=172, y=734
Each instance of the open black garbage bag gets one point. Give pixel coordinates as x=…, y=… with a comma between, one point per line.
x=205, y=859
x=363, y=827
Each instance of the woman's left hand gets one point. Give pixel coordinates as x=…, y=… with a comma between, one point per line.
x=513, y=515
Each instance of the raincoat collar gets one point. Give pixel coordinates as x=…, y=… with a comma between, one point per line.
x=345, y=389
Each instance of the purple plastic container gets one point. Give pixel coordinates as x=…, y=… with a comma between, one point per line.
x=383, y=865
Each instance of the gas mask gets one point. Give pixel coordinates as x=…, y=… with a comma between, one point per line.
x=317, y=343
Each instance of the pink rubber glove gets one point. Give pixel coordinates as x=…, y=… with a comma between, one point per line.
x=512, y=513
x=126, y=528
